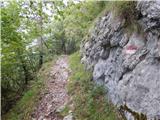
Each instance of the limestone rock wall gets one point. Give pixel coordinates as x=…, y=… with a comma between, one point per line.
x=128, y=64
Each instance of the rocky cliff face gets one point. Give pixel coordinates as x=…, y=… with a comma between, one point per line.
x=128, y=65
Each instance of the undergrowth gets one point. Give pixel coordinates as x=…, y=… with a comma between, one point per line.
x=89, y=100
x=24, y=107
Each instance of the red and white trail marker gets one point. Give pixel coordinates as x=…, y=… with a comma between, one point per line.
x=131, y=49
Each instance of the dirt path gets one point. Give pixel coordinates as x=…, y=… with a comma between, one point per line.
x=56, y=95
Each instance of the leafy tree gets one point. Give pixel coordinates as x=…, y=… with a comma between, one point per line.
x=71, y=22
x=15, y=71
x=31, y=36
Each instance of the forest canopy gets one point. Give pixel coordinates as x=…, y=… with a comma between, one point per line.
x=33, y=32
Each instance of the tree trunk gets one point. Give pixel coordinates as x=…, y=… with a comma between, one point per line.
x=41, y=39
x=63, y=45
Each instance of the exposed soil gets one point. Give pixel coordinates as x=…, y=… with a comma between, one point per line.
x=56, y=93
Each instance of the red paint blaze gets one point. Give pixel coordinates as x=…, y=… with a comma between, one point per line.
x=132, y=47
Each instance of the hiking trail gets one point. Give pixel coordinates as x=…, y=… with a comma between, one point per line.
x=56, y=94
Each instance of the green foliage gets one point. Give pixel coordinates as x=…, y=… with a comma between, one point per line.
x=89, y=99
x=15, y=62
x=73, y=22
x=19, y=64
x=25, y=106
x=79, y=18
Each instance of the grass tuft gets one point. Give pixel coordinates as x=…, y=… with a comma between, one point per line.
x=89, y=99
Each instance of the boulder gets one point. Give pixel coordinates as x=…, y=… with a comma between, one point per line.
x=128, y=65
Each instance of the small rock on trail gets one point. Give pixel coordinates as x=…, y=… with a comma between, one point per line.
x=56, y=95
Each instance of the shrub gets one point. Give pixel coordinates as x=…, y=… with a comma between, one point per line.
x=24, y=107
